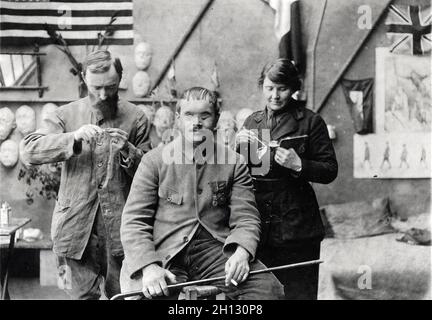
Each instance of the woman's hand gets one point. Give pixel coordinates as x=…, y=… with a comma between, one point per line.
x=288, y=159
x=245, y=136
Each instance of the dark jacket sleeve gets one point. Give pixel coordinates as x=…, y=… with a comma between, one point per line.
x=136, y=229
x=320, y=165
x=244, y=220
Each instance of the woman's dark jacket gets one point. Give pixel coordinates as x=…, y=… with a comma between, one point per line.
x=285, y=198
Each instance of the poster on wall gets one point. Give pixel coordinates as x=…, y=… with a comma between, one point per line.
x=403, y=93
x=392, y=155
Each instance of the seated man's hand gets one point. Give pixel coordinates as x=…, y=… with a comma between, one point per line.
x=237, y=266
x=154, y=280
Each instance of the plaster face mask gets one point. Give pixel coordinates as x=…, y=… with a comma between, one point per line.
x=141, y=84
x=242, y=115
x=164, y=119
x=7, y=123
x=149, y=111
x=25, y=120
x=9, y=153
x=143, y=55
x=226, y=120
x=47, y=109
x=227, y=128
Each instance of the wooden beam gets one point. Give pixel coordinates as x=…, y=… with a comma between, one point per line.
x=183, y=41
x=312, y=72
x=351, y=59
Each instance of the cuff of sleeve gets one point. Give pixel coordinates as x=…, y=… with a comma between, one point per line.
x=135, y=267
x=74, y=147
x=249, y=246
x=298, y=174
x=127, y=156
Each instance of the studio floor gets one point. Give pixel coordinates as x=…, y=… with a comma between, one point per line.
x=30, y=289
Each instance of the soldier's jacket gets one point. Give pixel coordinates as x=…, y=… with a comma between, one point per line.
x=168, y=201
x=92, y=175
x=289, y=207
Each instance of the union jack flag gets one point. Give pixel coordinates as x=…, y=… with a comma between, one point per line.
x=409, y=29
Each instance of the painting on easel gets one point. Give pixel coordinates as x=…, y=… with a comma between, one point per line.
x=403, y=93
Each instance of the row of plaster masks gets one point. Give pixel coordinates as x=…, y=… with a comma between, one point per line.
x=229, y=124
x=162, y=118
x=141, y=83
x=24, y=120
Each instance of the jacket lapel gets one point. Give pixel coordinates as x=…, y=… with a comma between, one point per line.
x=288, y=123
x=259, y=119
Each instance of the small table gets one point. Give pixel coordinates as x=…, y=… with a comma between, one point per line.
x=9, y=230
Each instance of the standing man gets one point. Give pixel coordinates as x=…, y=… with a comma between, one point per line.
x=191, y=214
x=100, y=140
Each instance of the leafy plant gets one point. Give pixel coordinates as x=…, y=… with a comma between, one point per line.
x=43, y=180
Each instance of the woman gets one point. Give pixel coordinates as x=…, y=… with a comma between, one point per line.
x=292, y=229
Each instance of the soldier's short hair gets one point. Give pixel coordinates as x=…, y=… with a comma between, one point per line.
x=199, y=93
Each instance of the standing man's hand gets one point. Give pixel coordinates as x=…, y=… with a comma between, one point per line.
x=237, y=266
x=154, y=280
x=87, y=133
x=118, y=137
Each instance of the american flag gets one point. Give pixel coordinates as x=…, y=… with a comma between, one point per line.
x=409, y=29
x=26, y=22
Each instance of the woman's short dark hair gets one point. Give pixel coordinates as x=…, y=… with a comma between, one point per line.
x=281, y=71
x=100, y=61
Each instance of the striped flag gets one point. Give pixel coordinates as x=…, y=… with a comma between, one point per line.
x=288, y=30
x=79, y=22
x=409, y=29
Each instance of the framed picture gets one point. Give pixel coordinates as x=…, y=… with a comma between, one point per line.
x=392, y=155
x=403, y=93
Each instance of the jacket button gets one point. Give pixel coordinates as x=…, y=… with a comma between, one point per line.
x=185, y=239
x=99, y=164
x=199, y=191
x=167, y=257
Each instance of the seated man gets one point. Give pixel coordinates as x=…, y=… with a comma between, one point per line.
x=189, y=217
